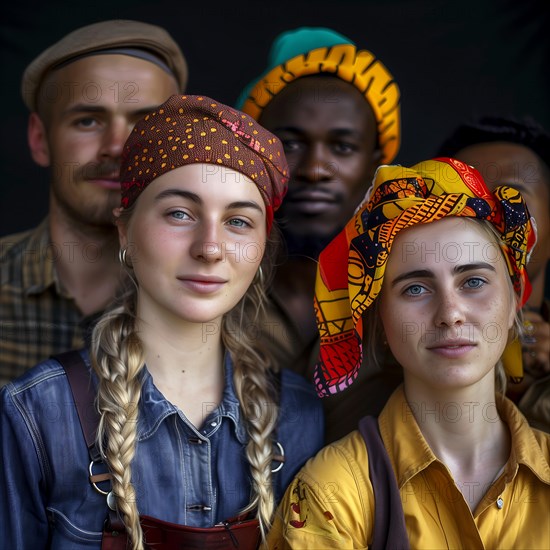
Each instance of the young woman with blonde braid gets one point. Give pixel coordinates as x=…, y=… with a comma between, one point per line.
x=194, y=427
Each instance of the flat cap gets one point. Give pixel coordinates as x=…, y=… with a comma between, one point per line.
x=105, y=35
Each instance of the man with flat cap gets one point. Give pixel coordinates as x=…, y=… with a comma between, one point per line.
x=84, y=94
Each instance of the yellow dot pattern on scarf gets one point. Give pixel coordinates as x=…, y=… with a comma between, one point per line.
x=197, y=129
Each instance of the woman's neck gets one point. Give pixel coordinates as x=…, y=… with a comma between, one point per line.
x=464, y=430
x=186, y=364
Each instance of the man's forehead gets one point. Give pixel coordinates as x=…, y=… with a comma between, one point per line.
x=324, y=99
x=105, y=82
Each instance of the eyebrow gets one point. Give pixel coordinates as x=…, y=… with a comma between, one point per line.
x=178, y=193
x=98, y=109
x=245, y=204
x=427, y=274
x=197, y=200
x=346, y=132
x=341, y=132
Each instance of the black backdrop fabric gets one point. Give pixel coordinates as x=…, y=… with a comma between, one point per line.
x=453, y=60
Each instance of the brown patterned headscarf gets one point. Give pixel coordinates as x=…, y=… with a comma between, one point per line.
x=197, y=129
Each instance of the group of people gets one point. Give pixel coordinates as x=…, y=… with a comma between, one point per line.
x=242, y=325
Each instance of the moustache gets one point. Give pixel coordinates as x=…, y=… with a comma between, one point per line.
x=98, y=170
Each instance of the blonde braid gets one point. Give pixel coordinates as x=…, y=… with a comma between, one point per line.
x=256, y=394
x=117, y=358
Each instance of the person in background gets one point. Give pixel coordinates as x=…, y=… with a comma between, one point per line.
x=196, y=427
x=84, y=94
x=336, y=109
x=516, y=152
x=432, y=267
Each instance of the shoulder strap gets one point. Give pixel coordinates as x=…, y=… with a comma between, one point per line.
x=279, y=453
x=84, y=395
x=389, y=529
x=83, y=392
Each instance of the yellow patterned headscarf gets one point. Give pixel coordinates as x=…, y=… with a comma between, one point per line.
x=311, y=51
x=351, y=268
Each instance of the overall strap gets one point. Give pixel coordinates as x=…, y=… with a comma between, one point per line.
x=84, y=395
x=83, y=392
x=389, y=531
x=279, y=454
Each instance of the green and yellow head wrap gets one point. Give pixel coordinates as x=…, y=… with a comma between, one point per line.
x=311, y=51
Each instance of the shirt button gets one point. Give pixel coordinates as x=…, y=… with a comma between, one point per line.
x=213, y=424
x=199, y=508
x=500, y=503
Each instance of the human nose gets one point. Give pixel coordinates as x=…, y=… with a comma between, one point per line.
x=207, y=245
x=314, y=165
x=450, y=311
x=114, y=138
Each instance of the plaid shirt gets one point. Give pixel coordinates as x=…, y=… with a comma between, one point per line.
x=37, y=318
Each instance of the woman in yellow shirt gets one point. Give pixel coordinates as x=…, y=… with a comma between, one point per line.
x=433, y=265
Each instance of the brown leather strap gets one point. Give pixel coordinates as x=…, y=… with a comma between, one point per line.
x=98, y=478
x=389, y=530
x=83, y=391
x=162, y=535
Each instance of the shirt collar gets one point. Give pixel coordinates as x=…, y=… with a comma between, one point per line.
x=230, y=406
x=154, y=407
x=408, y=450
x=525, y=447
x=410, y=453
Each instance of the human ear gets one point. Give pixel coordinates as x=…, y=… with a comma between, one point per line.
x=37, y=140
x=376, y=156
x=121, y=227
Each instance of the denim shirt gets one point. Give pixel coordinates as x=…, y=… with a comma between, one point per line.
x=180, y=474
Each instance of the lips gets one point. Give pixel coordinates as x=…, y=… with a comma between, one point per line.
x=452, y=348
x=311, y=201
x=449, y=342
x=202, y=284
x=311, y=195
x=107, y=183
x=104, y=175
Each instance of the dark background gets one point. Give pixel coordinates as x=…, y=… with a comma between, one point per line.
x=453, y=60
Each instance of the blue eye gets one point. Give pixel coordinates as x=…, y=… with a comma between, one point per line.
x=238, y=222
x=179, y=215
x=414, y=290
x=475, y=282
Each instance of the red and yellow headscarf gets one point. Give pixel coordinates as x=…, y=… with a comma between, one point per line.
x=351, y=268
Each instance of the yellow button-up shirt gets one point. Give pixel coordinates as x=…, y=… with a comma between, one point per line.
x=330, y=503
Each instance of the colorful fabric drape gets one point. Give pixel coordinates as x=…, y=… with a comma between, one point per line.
x=351, y=268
